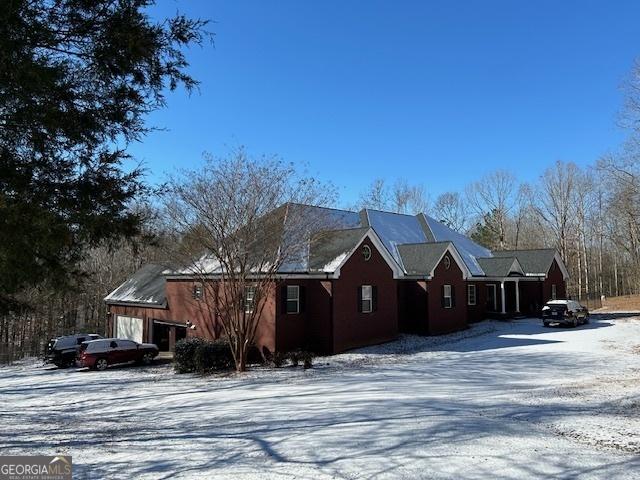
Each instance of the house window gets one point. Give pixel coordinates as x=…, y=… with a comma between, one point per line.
x=471, y=294
x=553, y=292
x=366, y=252
x=249, y=299
x=293, y=299
x=367, y=298
x=197, y=292
x=447, y=297
x=447, y=262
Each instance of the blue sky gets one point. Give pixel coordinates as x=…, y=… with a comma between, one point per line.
x=436, y=92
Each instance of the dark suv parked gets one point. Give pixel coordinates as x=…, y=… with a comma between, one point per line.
x=62, y=351
x=564, y=312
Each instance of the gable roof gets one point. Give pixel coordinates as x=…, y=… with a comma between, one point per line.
x=500, y=266
x=534, y=262
x=468, y=249
x=422, y=258
x=146, y=286
x=315, y=252
x=397, y=229
x=329, y=249
x=343, y=244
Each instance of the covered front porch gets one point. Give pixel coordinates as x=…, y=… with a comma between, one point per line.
x=512, y=296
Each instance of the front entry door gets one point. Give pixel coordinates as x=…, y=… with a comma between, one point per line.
x=491, y=298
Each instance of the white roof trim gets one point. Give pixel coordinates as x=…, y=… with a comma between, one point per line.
x=398, y=272
x=518, y=268
x=122, y=303
x=506, y=279
x=451, y=248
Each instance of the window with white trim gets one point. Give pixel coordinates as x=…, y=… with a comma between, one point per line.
x=471, y=294
x=249, y=299
x=366, y=299
x=197, y=292
x=554, y=293
x=293, y=299
x=447, y=299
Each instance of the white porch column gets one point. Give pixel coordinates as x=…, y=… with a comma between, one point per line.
x=502, y=303
x=518, y=296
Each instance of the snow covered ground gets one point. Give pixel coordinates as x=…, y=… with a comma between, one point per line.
x=500, y=400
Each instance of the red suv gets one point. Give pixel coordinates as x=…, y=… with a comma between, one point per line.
x=99, y=354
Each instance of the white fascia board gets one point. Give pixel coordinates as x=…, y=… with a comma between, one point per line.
x=451, y=248
x=398, y=272
x=506, y=279
x=516, y=267
x=213, y=276
x=136, y=304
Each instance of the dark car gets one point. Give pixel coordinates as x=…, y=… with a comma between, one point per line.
x=564, y=312
x=99, y=354
x=62, y=351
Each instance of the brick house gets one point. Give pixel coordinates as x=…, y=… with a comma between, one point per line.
x=375, y=275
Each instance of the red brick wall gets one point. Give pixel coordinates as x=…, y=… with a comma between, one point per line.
x=554, y=277
x=444, y=320
x=352, y=329
x=412, y=303
x=181, y=307
x=311, y=328
x=476, y=312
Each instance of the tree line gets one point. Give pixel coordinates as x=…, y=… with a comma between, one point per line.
x=77, y=82
x=591, y=215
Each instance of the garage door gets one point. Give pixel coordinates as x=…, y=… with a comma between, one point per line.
x=129, y=327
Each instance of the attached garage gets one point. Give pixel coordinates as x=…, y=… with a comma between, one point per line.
x=129, y=328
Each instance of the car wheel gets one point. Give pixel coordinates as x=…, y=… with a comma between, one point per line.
x=101, y=364
x=575, y=322
x=147, y=358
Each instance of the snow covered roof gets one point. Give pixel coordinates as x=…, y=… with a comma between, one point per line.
x=146, y=286
x=468, y=249
x=325, y=219
x=329, y=249
x=318, y=252
x=396, y=229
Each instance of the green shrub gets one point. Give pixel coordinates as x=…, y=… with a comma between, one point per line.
x=196, y=355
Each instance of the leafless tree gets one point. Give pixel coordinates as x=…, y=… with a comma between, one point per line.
x=376, y=196
x=401, y=197
x=245, y=219
x=408, y=199
x=556, y=203
x=495, y=193
x=451, y=210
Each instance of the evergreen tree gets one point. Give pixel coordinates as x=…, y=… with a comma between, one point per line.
x=487, y=231
x=77, y=78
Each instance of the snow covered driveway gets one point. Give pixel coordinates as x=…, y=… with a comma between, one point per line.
x=501, y=400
